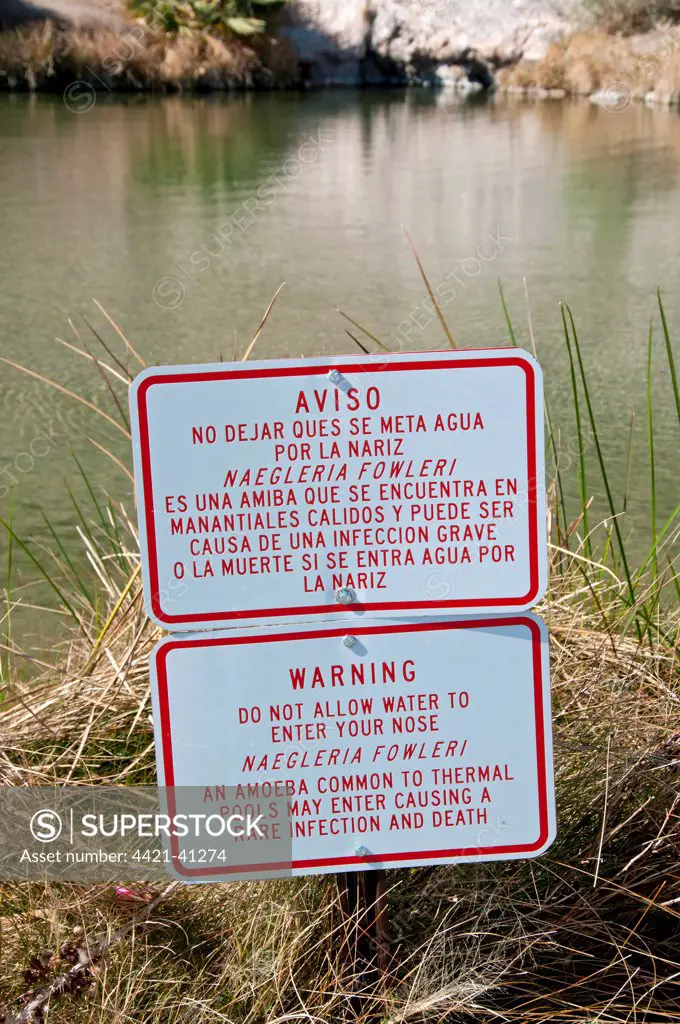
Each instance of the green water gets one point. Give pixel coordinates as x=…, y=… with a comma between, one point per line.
x=123, y=203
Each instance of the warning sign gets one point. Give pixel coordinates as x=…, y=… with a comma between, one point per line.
x=401, y=744
x=355, y=485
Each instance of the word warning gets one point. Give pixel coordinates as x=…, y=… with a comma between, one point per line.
x=405, y=743
x=371, y=485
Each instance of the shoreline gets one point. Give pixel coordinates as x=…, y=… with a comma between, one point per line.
x=611, y=70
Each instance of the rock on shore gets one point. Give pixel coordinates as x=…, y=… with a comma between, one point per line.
x=353, y=41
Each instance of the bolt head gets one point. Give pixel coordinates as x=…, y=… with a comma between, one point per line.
x=335, y=376
x=346, y=596
x=350, y=641
x=362, y=851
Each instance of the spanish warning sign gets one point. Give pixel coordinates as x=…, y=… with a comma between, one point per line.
x=340, y=486
x=402, y=743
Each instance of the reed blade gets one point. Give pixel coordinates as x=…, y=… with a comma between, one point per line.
x=582, y=478
x=669, y=353
x=601, y=461
x=652, y=468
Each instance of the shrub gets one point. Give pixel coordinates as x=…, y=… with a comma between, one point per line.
x=631, y=15
x=223, y=17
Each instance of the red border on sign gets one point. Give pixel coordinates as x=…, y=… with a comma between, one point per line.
x=276, y=638
x=302, y=371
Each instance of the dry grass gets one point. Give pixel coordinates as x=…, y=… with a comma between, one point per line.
x=590, y=61
x=630, y=16
x=45, y=56
x=588, y=934
x=523, y=942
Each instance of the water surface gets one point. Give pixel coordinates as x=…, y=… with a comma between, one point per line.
x=124, y=203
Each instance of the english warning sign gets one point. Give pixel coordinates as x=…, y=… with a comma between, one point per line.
x=401, y=744
x=346, y=486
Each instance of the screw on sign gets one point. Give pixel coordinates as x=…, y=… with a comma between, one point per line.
x=350, y=510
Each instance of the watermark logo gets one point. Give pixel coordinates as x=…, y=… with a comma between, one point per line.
x=105, y=833
x=79, y=97
x=169, y=292
x=438, y=585
x=615, y=97
x=46, y=825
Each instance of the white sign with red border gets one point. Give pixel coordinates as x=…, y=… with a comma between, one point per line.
x=408, y=742
x=340, y=486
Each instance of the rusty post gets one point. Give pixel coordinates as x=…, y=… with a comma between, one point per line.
x=365, y=947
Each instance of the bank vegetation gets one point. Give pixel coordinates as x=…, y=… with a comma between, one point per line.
x=621, y=50
x=164, y=45
x=614, y=69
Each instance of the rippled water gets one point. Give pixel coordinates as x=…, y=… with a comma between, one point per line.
x=130, y=203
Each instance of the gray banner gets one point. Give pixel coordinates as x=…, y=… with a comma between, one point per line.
x=126, y=833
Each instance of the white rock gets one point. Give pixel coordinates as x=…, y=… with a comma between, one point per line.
x=448, y=76
x=333, y=35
